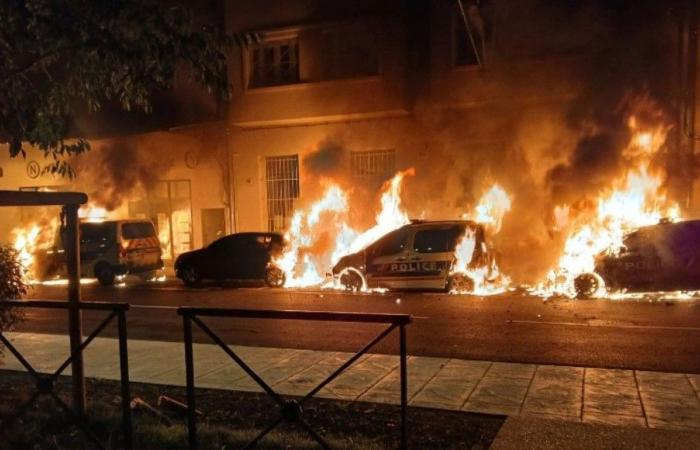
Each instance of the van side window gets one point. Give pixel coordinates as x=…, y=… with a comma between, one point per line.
x=391, y=244
x=93, y=233
x=439, y=240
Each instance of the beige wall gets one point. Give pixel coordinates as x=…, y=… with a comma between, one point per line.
x=152, y=157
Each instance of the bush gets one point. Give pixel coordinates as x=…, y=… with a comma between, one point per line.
x=12, y=284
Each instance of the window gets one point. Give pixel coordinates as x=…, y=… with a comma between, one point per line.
x=470, y=32
x=274, y=63
x=372, y=168
x=391, y=244
x=282, y=182
x=138, y=230
x=226, y=244
x=436, y=241
x=94, y=233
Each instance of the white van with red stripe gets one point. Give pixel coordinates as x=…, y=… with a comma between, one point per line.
x=119, y=247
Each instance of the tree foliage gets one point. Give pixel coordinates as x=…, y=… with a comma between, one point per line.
x=12, y=285
x=63, y=56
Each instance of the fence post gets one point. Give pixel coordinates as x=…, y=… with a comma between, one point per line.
x=189, y=373
x=404, y=386
x=71, y=244
x=126, y=393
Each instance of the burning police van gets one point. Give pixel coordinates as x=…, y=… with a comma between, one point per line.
x=662, y=257
x=108, y=249
x=420, y=255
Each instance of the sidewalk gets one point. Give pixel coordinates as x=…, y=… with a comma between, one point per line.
x=600, y=396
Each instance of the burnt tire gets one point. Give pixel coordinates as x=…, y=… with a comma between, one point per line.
x=459, y=283
x=587, y=284
x=350, y=280
x=105, y=274
x=275, y=277
x=190, y=276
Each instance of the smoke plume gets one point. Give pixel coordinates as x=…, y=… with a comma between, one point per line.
x=115, y=170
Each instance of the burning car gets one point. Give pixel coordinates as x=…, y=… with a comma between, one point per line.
x=239, y=256
x=420, y=255
x=108, y=249
x=659, y=257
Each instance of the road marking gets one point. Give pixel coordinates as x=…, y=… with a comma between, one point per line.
x=577, y=324
x=176, y=307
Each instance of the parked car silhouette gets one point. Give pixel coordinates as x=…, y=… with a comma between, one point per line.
x=240, y=256
x=660, y=257
x=419, y=255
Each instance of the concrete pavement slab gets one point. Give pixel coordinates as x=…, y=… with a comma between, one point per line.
x=232, y=376
x=512, y=370
x=662, y=381
x=44, y=352
x=303, y=382
x=601, y=399
x=420, y=370
x=282, y=370
x=498, y=395
x=695, y=381
x=360, y=377
x=669, y=400
x=451, y=385
x=615, y=377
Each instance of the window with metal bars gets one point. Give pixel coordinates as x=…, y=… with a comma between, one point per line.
x=372, y=168
x=282, y=182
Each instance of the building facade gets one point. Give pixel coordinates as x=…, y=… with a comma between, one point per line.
x=467, y=92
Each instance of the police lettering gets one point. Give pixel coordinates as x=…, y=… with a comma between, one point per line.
x=427, y=266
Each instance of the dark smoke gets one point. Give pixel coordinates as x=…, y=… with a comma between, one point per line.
x=328, y=159
x=117, y=169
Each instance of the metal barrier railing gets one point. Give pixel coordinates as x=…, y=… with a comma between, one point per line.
x=290, y=410
x=45, y=383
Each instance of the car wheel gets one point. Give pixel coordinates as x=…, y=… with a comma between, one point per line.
x=105, y=274
x=459, y=283
x=588, y=284
x=351, y=280
x=275, y=277
x=190, y=276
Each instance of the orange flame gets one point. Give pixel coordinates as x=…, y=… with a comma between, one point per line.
x=485, y=279
x=320, y=235
x=637, y=199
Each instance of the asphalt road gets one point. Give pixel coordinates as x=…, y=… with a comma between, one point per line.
x=651, y=335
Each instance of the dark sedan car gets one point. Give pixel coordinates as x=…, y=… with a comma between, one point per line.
x=240, y=256
x=662, y=257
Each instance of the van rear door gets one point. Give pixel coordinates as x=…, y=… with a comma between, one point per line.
x=140, y=245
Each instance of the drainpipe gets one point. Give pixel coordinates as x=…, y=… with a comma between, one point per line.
x=231, y=166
